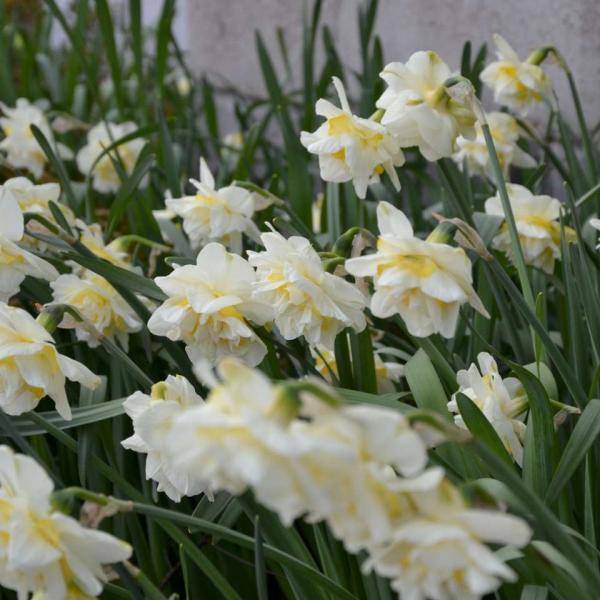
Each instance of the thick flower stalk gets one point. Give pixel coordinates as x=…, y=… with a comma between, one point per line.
x=31, y=367
x=217, y=214
x=387, y=373
x=423, y=281
x=538, y=224
x=21, y=148
x=307, y=300
x=212, y=306
x=505, y=133
x=15, y=262
x=43, y=551
x=502, y=401
x=517, y=84
x=35, y=200
x=99, y=304
x=90, y=159
x=419, y=111
x=351, y=148
x=153, y=416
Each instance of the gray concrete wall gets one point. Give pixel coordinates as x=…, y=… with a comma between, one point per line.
x=220, y=34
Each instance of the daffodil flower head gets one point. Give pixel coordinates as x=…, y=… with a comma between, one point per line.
x=152, y=417
x=505, y=134
x=307, y=300
x=211, y=307
x=35, y=200
x=216, y=215
x=97, y=301
x=43, y=551
x=351, y=148
x=15, y=262
x=93, y=159
x=502, y=401
x=31, y=367
x=21, y=148
x=537, y=218
x=419, y=111
x=517, y=84
x=424, y=282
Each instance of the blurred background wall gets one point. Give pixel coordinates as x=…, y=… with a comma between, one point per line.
x=220, y=34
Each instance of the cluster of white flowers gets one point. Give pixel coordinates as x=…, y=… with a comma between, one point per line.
x=361, y=469
x=43, y=551
x=93, y=158
x=31, y=367
x=502, y=401
x=538, y=226
x=21, y=148
x=425, y=282
x=213, y=304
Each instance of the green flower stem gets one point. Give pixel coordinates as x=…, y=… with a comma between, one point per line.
x=519, y=259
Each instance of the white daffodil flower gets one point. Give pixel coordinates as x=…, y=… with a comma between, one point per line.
x=217, y=215
x=99, y=304
x=502, y=401
x=31, y=368
x=446, y=558
x=517, y=84
x=15, y=262
x=424, y=282
x=418, y=109
x=153, y=417
x=307, y=300
x=105, y=177
x=19, y=144
x=34, y=199
x=210, y=307
x=92, y=237
x=351, y=148
x=505, y=133
x=42, y=551
x=436, y=547
x=538, y=226
x=387, y=373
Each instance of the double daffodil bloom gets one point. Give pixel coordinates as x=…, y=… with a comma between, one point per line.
x=15, y=262
x=423, y=281
x=307, y=300
x=105, y=177
x=502, y=401
x=31, y=367
x=211, y=306
x=418, y=108
x=19, y=144
x=505, y=133
x=351, y=148
x=517, y=84
x=43, y=551
x=538, y=226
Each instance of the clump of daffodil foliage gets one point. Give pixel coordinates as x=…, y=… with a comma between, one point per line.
x=348, y=349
